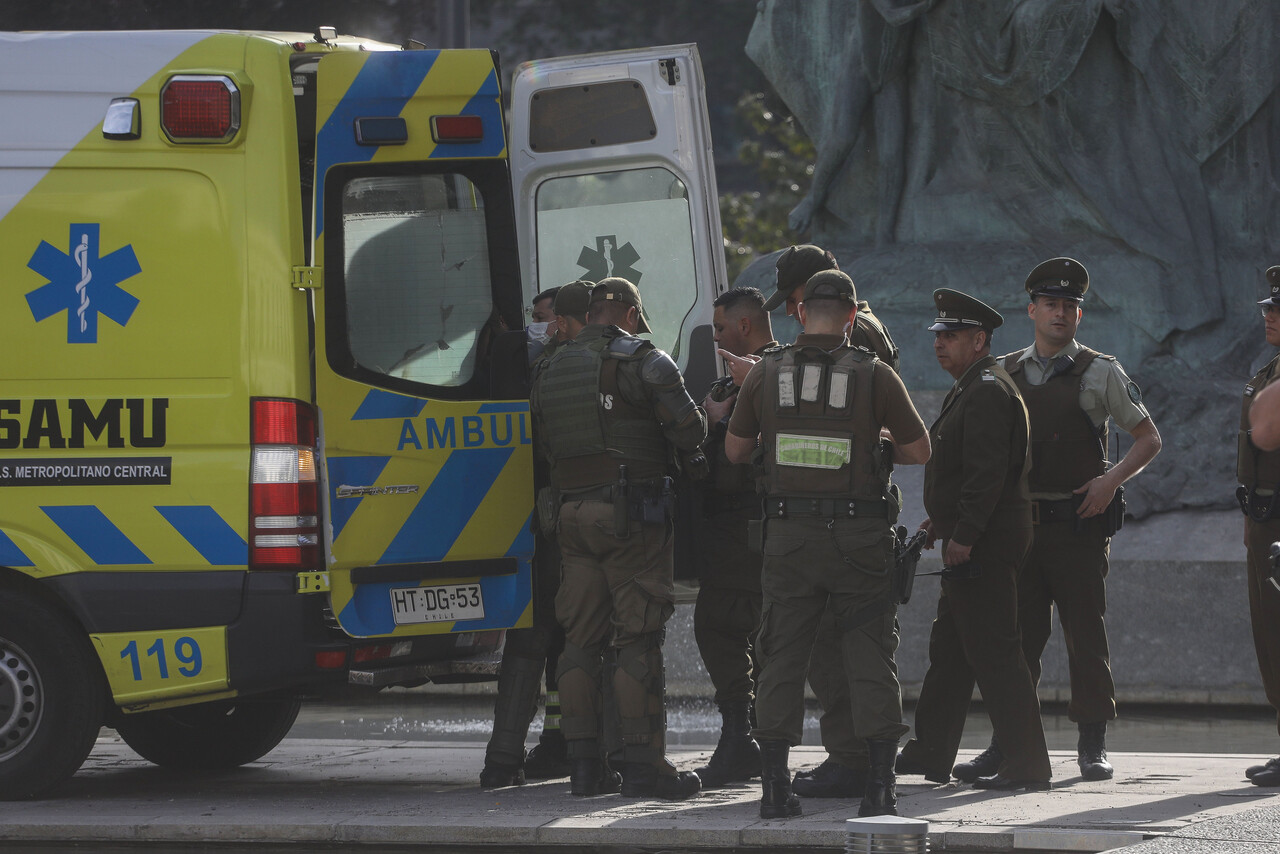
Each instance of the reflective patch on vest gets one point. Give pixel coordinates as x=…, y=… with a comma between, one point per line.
x=787, y=389
x=813, y=452
x=838, y=394
x=810, y=382
x=1135, y=393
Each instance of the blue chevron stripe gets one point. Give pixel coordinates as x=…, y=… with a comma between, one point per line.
x=385, y=404
x=90, y=529
x=350, y=471
x=447, y=506
x=10, y=554
x=385, y=83
x=208, y=533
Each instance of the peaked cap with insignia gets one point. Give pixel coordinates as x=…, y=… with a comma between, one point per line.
x=1273, y=280
x=1058, y=277
x=958, y=310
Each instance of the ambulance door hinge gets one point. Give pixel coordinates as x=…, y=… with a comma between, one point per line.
x=308, y=277
x=669, y=69
x=313, y=582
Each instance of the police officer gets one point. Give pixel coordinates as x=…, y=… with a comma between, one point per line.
x=843, y=774
x=1070, y=392
x=527, y=653
x=818, y=410
x=1258, y=471
x=975, y=492
x=609, y=409
x=727, y=614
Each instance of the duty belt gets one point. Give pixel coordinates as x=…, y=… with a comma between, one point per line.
x=826, y=508
x=637, y=490
x=1044, y=512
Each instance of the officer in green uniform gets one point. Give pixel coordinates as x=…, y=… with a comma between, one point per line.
x=727, y=614
x=818, y=410
x=610, y=408
x=1071, y=392
x=975, y=492
x=1258, y=471
x=843, y=773
x=528, y=653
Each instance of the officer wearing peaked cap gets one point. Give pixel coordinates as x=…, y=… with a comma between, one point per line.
x=975, y=492
x=1071, y=392
x=1258, y=471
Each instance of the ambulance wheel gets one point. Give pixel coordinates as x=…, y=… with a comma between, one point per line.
x=51, y=697
x=210, y=736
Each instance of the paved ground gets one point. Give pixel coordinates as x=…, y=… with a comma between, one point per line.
x=370, y=795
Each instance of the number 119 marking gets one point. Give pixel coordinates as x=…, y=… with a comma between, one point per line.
x=185, y=650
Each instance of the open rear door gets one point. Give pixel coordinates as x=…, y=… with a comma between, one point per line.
x=429, y=478
x=612, y=168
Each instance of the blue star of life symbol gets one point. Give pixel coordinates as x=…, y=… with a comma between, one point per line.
x=82, y=283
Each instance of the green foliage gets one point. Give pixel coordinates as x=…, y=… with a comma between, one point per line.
x=782, y=157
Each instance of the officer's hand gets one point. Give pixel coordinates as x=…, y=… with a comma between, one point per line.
x=739, y=366
x=696, y=465
x=930, y=538
x=1098, y=495
x=718, y=410
x=956, y=554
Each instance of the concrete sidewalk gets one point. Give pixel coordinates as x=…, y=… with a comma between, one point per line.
x=360, y=794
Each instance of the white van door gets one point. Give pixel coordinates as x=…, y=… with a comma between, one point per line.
x=612, y=173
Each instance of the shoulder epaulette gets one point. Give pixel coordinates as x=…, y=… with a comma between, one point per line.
x=988, y=376
x=777, y=350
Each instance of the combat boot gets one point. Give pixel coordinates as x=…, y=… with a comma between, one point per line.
x=831, y=780
x=589, y=774
x=881, y=797
x=548, y=759
x=1266, y=775
x=1270, y=765
x=642, y=780
x=499, y=775
x=777, y=800
x=1091, y=751
x=737, y=756
x=985, y=764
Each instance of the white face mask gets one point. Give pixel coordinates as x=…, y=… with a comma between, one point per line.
x=538, y=332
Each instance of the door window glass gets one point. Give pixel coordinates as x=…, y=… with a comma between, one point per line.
x=634, y=224
x=416, y=276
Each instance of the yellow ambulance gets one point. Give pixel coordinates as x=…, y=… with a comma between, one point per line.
x=257, y=426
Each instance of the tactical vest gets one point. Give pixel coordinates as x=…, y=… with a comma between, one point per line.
x=816, y=414
x=1256, y=469
x=588, y=426
x=1066, y=449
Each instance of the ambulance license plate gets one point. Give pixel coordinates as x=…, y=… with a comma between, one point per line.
x=437, y=603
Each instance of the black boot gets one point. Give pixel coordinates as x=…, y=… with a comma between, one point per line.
x=1092, y=752
x=775, y=781
x=499, y=775
x=985, y=764
x=642, y=780
x=1266, y=775
x=549, y=758
x=737, y=756
x=831, y=780
x=881, y=797
x=589, y=774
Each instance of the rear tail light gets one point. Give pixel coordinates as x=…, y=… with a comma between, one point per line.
x=200, y=108
x=457, y=128
x=284, y=502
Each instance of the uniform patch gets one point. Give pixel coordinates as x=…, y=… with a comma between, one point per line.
x=1135, y=393
x=817, y=452
x=988, y=377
